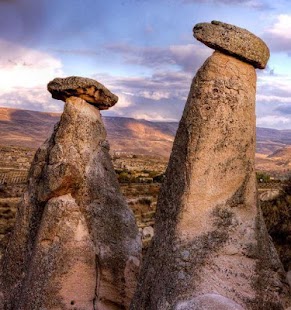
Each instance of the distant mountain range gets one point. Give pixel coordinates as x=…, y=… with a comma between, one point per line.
x=31, y=128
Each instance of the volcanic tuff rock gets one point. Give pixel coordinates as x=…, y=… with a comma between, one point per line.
x=206, y=302
x=87, y=89
x=234, y=41
x=126, y=135
x=277, y=213
x=75, y=243
x=211, y=246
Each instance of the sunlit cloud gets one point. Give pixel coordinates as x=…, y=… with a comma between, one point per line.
x=37, y=98
x=124, y=101
x=160, y=97
x=272, y=99
x=187, y=57
x=148, y=64
x=24, y=74
x=282, y=27
x=278, y=35
x=274, y=121
x=25, y=68
x=274, y=89
x=152, y=116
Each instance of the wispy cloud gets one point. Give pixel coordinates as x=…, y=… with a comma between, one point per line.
x=188, y=57
x=25, y=67
x=274, y=100
x=284, y=109
x=254, y=4
x=158, y=97
x=278, y=35
x=160, y=85
x=282, y=26
x=37, y=98
x=79, y=51
x=274, y=121
x=274, y=88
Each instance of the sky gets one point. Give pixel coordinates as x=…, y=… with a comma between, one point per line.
x=142, y=50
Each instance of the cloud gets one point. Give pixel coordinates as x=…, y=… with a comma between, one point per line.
x=274, y=88
x=160, y=85
x=165, y=92
x=161, y=96
x=24, y=74
x=278, y=36
x=37, y=99
x=152, y=116
x=24, y=67
x=274, y=100
x=22, y=19
x=78, y=52
x=254, y=4
x=282, y=26
x=284, y=109
x=153, y=110
x=274, y=121
x=125, y=101
x=55, y=23
x=188, y=57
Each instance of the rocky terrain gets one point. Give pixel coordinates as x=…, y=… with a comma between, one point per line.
x=76, y=243
x=30, y=128
x=26, y=128
x=126, y=135
x=211, y=249
x=269, y=140
x=277, y=213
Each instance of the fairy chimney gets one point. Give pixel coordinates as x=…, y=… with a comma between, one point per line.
x=211, y=249
x=75, y=243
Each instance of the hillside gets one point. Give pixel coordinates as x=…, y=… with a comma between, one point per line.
x=283, y=153
x=30, y=128
x=25, y=128
x=140, y=136
x=269, y=140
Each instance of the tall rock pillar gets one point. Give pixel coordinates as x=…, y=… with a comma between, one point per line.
x=211, y=249
x=75, y=243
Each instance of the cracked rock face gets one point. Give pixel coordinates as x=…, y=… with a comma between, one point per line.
x=234, y=41
x=211, y=247
x=75, y=243
x=90, y=90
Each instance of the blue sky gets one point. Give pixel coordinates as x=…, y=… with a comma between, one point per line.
x=142, y=50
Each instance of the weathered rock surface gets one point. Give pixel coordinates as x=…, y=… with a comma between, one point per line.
x=87, y=89
x=75, y=243
x=210, y=237
x=148, y=232
x=277, y=214
x=289, y=277
x=208, y=302
x=234, y=41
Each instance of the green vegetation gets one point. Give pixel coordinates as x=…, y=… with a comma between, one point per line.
x=144, y=176
x=262, y=177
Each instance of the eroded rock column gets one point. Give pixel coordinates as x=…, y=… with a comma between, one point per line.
x=211, y=249
x=75, y=243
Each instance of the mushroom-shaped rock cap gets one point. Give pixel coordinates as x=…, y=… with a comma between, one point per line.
x=234, y=41
x=90, y=90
